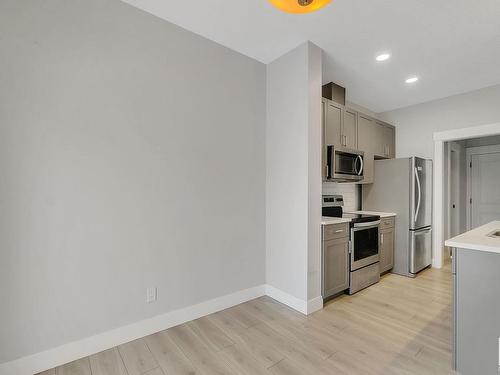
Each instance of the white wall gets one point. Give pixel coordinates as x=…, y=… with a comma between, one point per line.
x=315, y=76
x=131, y=155
x=416, y=124
x=293, y=189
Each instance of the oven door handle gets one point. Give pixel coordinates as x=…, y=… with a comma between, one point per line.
x=371, y=224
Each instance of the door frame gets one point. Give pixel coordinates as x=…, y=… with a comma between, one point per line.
x=482, y=150
x=439, y=179
x=454, y=147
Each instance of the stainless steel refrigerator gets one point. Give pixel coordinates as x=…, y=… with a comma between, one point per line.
x=404, y=186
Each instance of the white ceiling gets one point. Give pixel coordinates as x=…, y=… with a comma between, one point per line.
x=452, y=45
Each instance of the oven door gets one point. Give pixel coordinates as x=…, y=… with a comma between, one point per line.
x=364, y=244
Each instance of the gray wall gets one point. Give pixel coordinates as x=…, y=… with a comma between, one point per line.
x=131, y=155
x=293, y=176
x=287, y=173
x=417, y=124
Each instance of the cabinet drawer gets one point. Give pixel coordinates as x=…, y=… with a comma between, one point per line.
x=386, y=222
x=333, y=231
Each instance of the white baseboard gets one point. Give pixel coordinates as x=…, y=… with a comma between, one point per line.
x=69, y=352
x=314, y=304
x=304, y=307
x=287, y=299
x=51, y=358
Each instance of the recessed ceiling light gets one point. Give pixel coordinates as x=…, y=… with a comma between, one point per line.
x=383, y=57
x=411, y=80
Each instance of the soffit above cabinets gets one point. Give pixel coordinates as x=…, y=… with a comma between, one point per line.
x=452, y=46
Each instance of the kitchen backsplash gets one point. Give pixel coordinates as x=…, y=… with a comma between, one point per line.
x=351, y=193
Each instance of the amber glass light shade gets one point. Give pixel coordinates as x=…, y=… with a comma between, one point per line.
x=299, y=6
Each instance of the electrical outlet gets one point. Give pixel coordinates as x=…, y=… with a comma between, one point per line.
x=151, y=295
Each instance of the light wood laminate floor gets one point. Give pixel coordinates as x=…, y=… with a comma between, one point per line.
x=398, y=326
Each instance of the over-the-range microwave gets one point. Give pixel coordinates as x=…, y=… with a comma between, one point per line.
x=344, y=164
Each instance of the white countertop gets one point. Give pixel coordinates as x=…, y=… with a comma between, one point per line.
x=338, y=220
x=333, y=220
x=381, y=214
x=477, y=239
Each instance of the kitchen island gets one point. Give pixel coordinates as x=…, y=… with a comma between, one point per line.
x=476, y=300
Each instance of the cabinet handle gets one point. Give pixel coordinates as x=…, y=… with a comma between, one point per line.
x=381, y=238
x=339, y=231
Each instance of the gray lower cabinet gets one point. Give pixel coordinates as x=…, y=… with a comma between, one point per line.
x=476, y=312
x=335, y=257
x=386, y=248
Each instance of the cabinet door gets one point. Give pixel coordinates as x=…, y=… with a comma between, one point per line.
x=368, y=169
x=366, y=134
x=390, y=141
x=379, y=140
x=386, y=250
x=385, y=140
x=350, y=129
x=324, y=170
x=335, y=266
x=333, y=124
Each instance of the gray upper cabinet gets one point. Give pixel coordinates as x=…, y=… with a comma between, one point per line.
x=385, y=140
x=350, y=129
x=379, y=144
x=340, y=125
x=389, y=139
x=346, y=128
x=377, y=140
x=376, y=137
x=367, y=134
x=333, y=124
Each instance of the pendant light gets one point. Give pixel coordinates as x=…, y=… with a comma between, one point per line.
x=299, y=6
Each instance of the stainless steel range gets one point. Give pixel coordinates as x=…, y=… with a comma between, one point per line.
x=363, y=245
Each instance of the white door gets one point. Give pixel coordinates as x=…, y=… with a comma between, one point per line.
x=485, y=189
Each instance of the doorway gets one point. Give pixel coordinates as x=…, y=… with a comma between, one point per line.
x=483, y=181
x=440, y=207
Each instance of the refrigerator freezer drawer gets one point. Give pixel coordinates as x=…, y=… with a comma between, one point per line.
x=420, y=249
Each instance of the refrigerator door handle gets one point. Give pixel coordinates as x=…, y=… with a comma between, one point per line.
x=423, y=230
x=419, y=194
